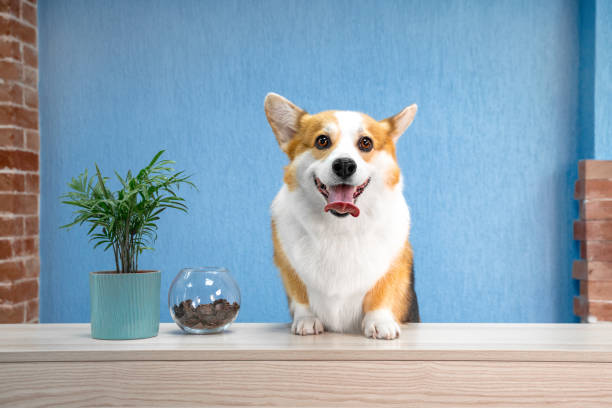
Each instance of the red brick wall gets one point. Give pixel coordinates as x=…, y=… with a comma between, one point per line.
x=594, y=231
x=19, y=158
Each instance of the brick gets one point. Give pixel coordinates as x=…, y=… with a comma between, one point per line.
x=25, y=290
x=592, y=270
x=596, y=250
x=30, y=77
x=18, y=160
x=19, y=147
x=20, y=291
x=31, y=225
x=10, y=7
x=6, y=252
x=11, y=227
x=11, y=71
x=12, y=182
x=11, y=271
x=12, y=313
x=32, y=311
x=30, y=98
x=22, y=32
x=32, y=140
x=30, y=57
x=28, y=13
x=25, y=247
x=22, y=204
x=11, y=93
x=10, y=49
x=580, y=306
x=595, y=169
x=11, y=138
x=19, y=117
x=593, y=310
x=596, y=290
x=32, y=183
x=599, y=230
x=5, y=293
x=32, y=267
x=596, y=210
x=593, y=189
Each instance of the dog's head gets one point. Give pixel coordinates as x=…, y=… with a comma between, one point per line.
x=341, y=160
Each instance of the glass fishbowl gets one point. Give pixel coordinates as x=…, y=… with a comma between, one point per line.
x=204, y=300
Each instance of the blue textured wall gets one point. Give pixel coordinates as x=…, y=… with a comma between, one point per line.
x=595, y=79
x=489, y=161
x=603, y=80
x=586, y=79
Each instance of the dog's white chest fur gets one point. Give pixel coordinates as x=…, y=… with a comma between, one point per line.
x=340, y=259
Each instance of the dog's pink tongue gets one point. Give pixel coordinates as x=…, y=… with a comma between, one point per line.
x=340, y=199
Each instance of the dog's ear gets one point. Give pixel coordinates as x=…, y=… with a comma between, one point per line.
x=398, y=124
x=283, y=117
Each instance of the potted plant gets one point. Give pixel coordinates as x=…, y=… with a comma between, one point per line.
x=125, y=302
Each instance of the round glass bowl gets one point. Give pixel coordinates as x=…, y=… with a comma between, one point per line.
x=204, y=300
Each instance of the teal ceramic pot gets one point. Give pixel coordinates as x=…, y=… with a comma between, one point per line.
x=124, y=305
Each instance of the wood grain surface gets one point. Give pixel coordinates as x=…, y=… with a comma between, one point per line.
x=306, y=384
x=263, y=341
x=431, y=365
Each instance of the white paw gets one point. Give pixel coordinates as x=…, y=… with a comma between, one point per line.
x=380, y=324
x=306, y=325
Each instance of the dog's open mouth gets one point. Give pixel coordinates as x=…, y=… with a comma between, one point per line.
x=341, y=198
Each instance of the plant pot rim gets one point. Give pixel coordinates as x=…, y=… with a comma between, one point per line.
x=146, y=271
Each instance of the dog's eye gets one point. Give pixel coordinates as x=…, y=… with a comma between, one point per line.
x=322, y=142
x=365, y=144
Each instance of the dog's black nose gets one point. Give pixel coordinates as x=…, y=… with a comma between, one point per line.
x=344, y=167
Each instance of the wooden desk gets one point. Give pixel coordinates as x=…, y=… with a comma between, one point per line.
x=431, y=365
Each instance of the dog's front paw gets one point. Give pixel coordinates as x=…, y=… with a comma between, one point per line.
x=380, y=324
x=306, y=325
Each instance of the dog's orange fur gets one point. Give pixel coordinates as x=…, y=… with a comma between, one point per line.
x=295, y=288
x=309, y=127
x=393, y=177
x=379, y=132
x=290, y=178
x=392, y=290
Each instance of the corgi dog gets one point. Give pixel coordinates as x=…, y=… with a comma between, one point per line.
x=340, y=224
